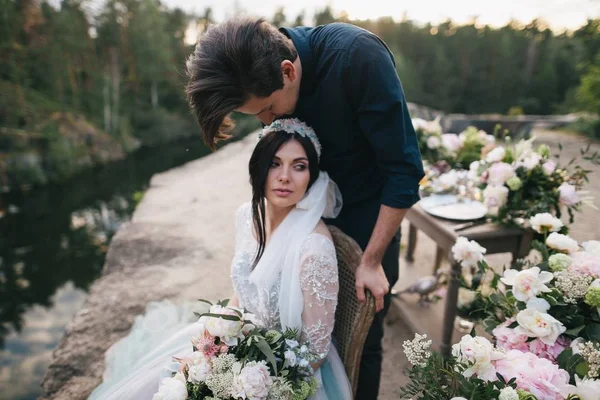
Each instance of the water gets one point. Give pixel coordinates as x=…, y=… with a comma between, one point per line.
x=52, y=247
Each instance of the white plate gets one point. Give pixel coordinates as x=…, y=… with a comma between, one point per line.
x=447, y=206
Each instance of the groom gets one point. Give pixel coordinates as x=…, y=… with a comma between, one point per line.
x=341, y=80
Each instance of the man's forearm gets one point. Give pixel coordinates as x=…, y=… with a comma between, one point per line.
x=386, y=226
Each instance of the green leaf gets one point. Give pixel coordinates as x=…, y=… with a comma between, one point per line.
x=582, y=369
x=592, y=332
x=226, y=317
x=574, y=331
x=264, y=347
x=205, y=301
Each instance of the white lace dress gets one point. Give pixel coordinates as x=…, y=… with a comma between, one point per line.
x=136, y=364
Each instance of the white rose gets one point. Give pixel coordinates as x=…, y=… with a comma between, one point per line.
x=290, y=358
x=479, y=352
x=225, y=329
x=494, y=197
x=527, y=283
x=592, y=247
x=586, y=389
x=433, y=142
x=562, y=243
x=496, y=155
x=568, y=194
x=199, y=367
x=451, y=142
x=535, y=322
x=467, y=252
x=172, y=389
x=499, y=173
x=545, y=222
x=508, y=393
x=253, y=381
x=549, y=167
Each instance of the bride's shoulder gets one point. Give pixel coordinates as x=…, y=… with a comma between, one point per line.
x=320, y=240
x=243, y=209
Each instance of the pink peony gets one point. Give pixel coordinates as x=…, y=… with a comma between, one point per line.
x=536, y=375
x=508, y=339
x=585, y=263
x=549, y=167
x=499, y=173
x=552, y=352
x=568, y=194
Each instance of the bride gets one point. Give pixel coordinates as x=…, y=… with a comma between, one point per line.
x=284, y=271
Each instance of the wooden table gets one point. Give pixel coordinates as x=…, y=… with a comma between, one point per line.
x=495, y=238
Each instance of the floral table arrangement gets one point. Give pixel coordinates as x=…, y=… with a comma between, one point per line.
x=233, y=358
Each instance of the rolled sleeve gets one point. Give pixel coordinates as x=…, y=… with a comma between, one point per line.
x=377, y=96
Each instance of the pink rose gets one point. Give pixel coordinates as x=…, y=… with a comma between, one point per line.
x=536, y=375
x=451, y=141
x=552, y=352
x=549, y=167
x=507, y=339
x=568, y=194
x=585, y=263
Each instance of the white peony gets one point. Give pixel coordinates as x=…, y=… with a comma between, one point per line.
x=467, y=252
x=499, y=173
x=592, y=247
x=586, y=389
x=562, y=243
x=448, y=180
x=252, y=323
x=252, y=382
x=549, y=167
x=433, y=142
x=568, y=194
x=508, y=393
x=479, y=353
x=527, y=283
x=535, y=322
x=199, y=367
x=494, y=197
x=229, y=331
x=495, y=155
x=530, y=161
x=545, y=222
x=172, y=389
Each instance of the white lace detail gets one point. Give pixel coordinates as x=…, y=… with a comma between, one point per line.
x=318, y=280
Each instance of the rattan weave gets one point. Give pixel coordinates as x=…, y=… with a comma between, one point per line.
x=352, y=319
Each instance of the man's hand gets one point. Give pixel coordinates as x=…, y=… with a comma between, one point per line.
x=371, y=276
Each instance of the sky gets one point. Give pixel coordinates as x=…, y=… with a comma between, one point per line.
x=559, y=14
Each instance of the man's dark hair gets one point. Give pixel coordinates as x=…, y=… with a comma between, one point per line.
x=232, y=61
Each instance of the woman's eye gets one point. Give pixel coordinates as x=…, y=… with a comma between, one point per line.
x=274, y=164
x=300, y=167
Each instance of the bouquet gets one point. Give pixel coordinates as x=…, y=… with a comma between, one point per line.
x=234, y=358
x=546, y=309
x=457, y=150
x=517, y=182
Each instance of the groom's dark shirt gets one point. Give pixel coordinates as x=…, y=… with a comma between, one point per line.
x=351, y=95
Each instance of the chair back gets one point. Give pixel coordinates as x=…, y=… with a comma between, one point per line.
x=352, y=318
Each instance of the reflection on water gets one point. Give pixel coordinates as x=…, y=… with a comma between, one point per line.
x=52, y=247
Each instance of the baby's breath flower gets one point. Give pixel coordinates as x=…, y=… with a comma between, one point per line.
x=508, y=393
x=223, y=363
x=220, y=384
x=417, y=350
x=591, y=353
x=573, y=286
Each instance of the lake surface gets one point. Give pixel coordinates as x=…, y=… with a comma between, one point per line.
x=52, y=246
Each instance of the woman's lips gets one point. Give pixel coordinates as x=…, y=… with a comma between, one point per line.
x=282, y=192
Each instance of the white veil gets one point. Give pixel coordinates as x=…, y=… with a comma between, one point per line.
x=282, y=254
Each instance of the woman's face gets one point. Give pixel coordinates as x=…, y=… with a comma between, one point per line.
x=288, y=176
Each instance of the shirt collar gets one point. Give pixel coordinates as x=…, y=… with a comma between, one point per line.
x=300, y=38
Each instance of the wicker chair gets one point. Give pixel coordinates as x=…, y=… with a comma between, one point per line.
x=352, y=319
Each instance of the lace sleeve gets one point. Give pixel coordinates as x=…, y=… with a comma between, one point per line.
x=320, y=286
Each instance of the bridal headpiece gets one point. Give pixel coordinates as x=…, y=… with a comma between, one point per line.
x=293, y=125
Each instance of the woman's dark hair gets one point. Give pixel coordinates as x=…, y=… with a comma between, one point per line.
x=233, y=61
x=259, y=165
